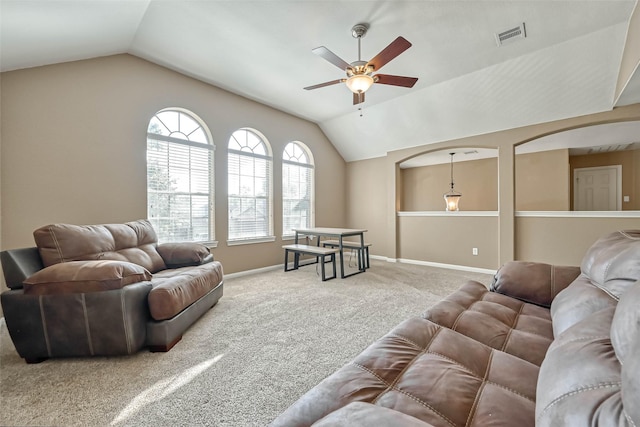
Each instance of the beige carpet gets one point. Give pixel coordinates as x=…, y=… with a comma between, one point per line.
x=270, y=338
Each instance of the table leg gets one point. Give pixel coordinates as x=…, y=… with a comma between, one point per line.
x=341, y=258
x=362, y=261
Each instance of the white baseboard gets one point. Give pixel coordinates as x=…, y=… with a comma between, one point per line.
x=254, y=271
x=449, y=266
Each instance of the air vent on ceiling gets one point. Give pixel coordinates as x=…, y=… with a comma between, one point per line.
x=512, y=34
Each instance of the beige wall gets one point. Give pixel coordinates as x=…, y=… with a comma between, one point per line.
x=74, y=149
x=506, y=237
x=630, y=172
x=449, y=239
x=542, y=181
x=423, y=187
x=367, y=202
x=563, y=240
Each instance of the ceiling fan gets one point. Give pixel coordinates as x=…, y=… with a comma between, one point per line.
x=360, y=75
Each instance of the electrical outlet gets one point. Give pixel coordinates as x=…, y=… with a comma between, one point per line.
x=474, y=251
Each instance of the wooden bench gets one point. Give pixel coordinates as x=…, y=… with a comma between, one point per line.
x=321, y=253
x=363, y=259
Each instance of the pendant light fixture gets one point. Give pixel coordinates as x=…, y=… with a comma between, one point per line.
x=452, y=197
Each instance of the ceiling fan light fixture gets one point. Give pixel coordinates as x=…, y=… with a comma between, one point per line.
x=359, y=83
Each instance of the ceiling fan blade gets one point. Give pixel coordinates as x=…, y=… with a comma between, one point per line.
x=332, y=82
x=331, y=57
x=394, y=49
x=358, y=98
x=403, y=81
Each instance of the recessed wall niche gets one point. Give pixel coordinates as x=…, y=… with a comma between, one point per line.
x=594, y=168
x=427, y=177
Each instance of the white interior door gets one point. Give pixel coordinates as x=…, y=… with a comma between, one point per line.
x=598, y=189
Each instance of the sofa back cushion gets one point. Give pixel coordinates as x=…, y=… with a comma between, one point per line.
x=613, y=262
x=625, y=329
x=133, y=242
x=625, y=336
x=598, y=366
x=608, y=269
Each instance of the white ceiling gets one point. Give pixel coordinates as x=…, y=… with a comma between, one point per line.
x=567, y=65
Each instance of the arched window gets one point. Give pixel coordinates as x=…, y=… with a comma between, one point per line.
x=180, y=177
x=250, y=189
x=298, y=203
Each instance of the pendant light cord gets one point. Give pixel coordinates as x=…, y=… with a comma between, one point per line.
x=452, y=170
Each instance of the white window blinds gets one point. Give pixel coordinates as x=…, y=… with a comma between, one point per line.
x=297, y=188
x=249, y=185
x=179, y=178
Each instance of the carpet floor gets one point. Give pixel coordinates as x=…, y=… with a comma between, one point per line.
x=271, y=337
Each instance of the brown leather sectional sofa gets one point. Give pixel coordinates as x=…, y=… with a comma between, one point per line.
x=546, y=346
x=99, y=290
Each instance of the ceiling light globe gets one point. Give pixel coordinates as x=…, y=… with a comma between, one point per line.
x=359, y=83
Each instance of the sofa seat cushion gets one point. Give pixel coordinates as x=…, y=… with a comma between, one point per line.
x=432, y=374
x=83, y=277
x=499, y=321
x=176, y=289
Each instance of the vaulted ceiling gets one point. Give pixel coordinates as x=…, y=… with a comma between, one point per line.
x=566, y=66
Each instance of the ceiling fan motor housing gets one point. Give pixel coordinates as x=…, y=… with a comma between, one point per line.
x=359, y=67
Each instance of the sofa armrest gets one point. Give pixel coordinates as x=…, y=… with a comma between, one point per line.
x=533, y=282
x=77, y=324
x=18, y=264
x=185, y=254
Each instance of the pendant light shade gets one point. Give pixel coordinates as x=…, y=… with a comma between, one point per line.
x=452, y=197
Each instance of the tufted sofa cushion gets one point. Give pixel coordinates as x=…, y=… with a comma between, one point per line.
x=430, y=373
x=133, y=242
x=499, y=321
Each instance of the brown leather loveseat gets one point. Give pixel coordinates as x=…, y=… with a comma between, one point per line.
x=547, y=346
x=99, y=290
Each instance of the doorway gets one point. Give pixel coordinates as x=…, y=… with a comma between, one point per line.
x=598, y=188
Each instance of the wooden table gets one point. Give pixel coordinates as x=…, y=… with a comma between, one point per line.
x=336, y=233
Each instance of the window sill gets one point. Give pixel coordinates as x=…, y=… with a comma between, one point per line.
x=251, y=241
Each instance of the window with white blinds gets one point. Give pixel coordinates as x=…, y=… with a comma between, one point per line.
x=180, y=177
x=250, y=188
x=298, y=205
